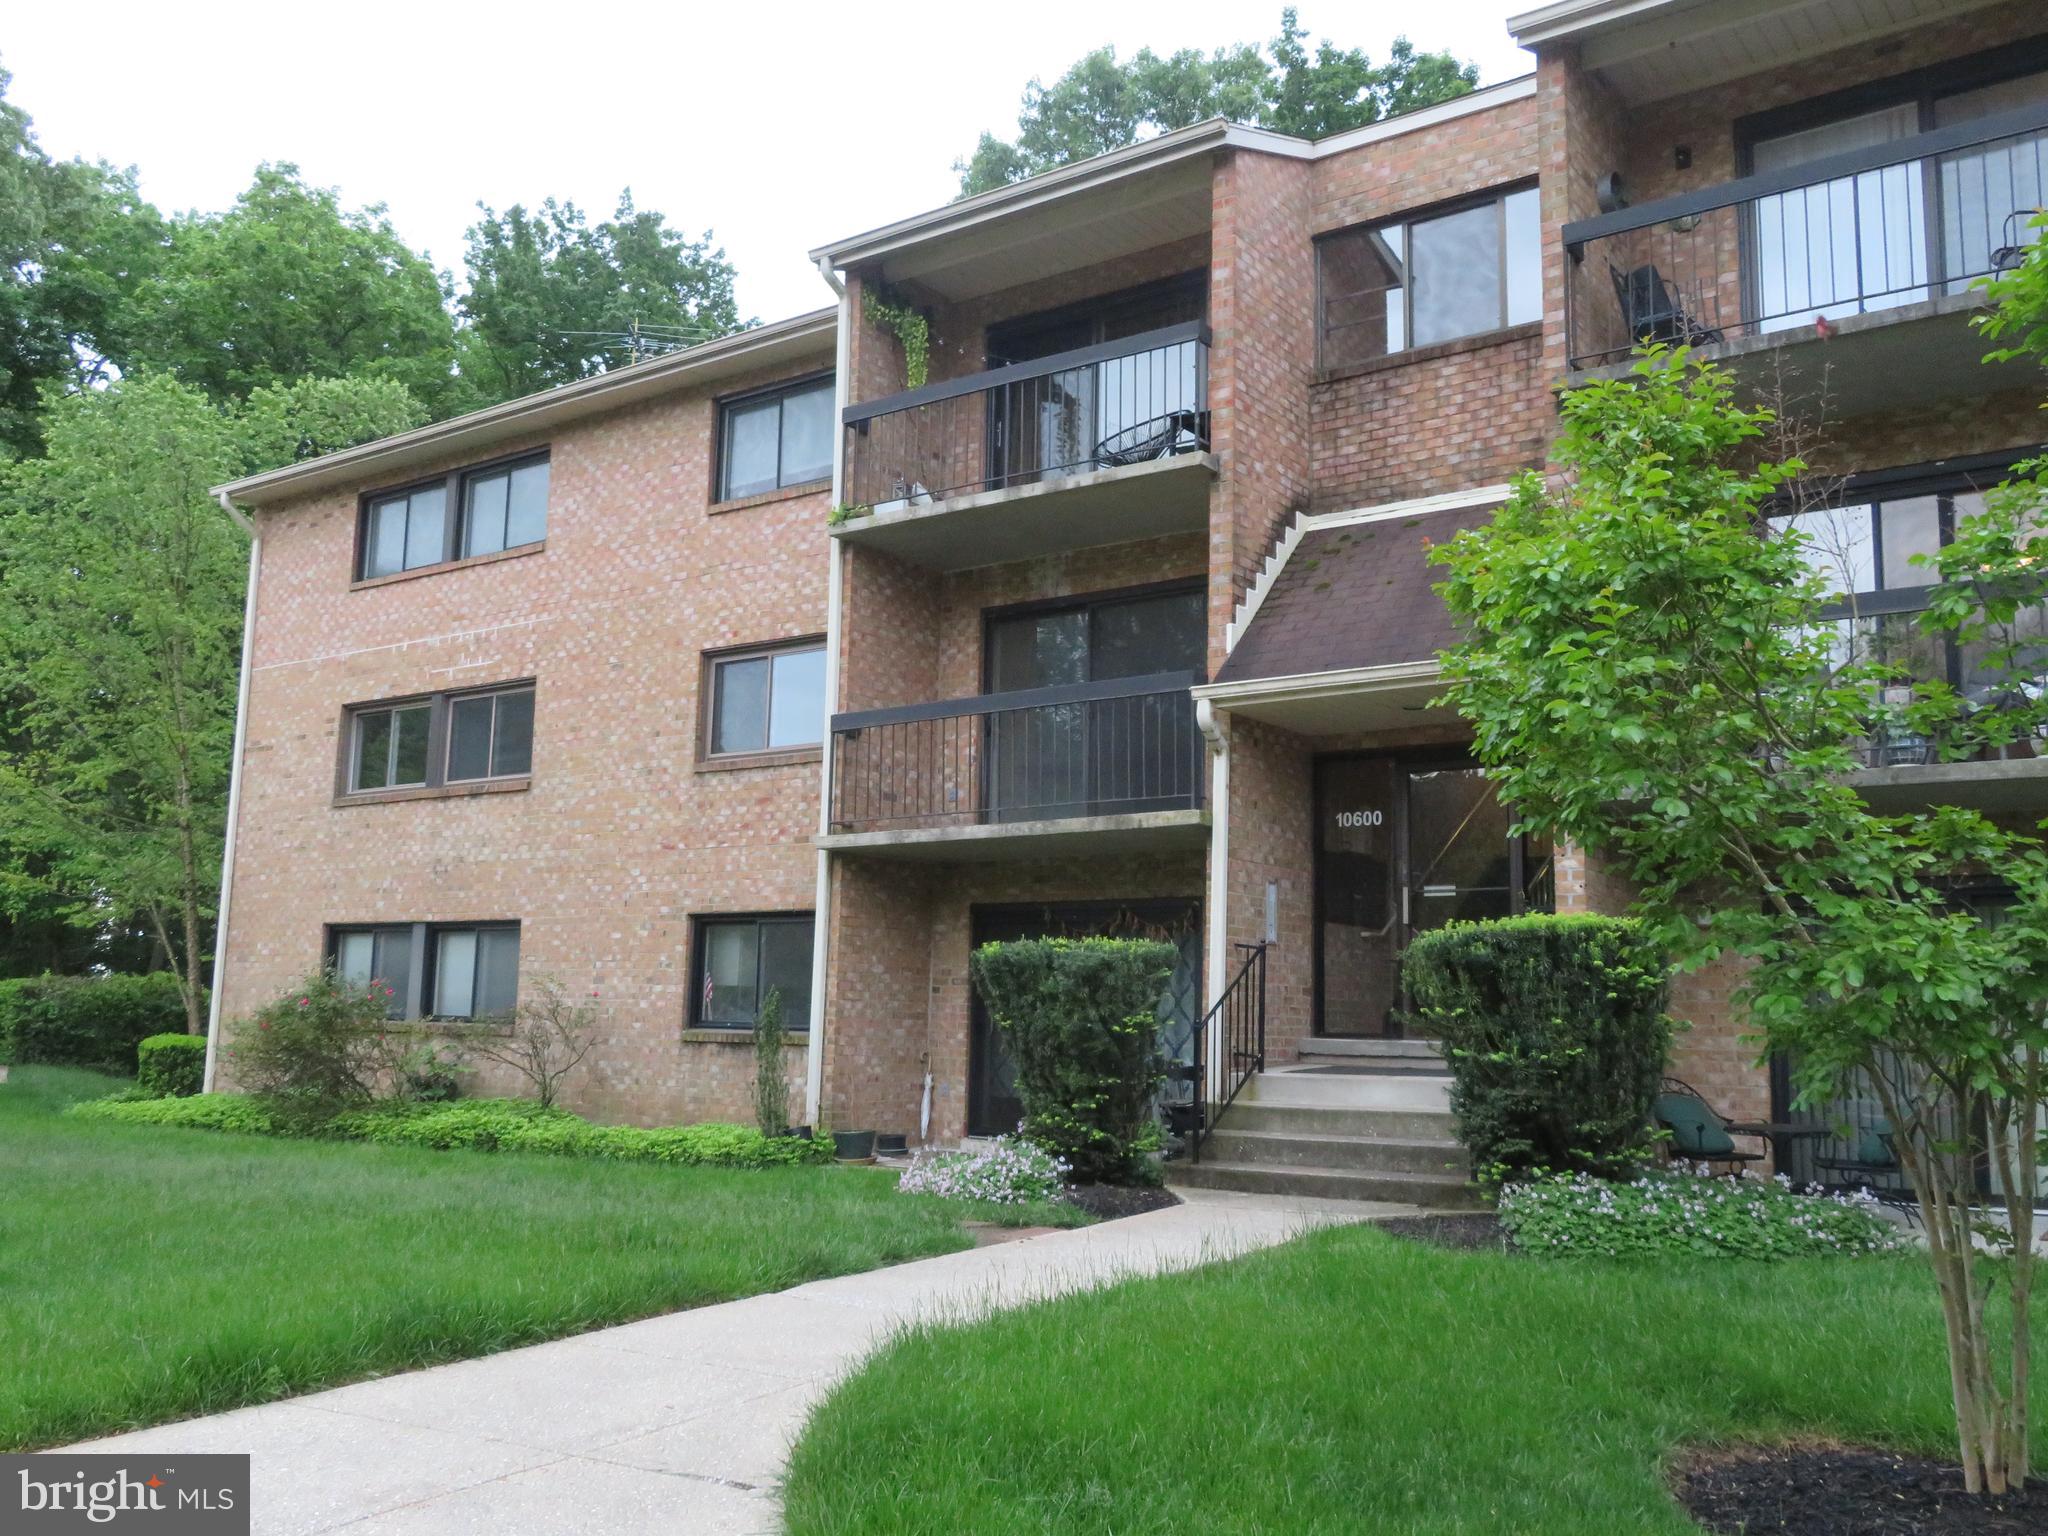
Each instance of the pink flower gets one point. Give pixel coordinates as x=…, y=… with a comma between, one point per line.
x=304, y=1001
x=263, y=1024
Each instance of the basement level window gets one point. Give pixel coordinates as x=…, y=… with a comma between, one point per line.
x=738, y=961
x=434, y=970
x=478, y=511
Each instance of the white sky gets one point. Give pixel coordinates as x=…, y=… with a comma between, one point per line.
x=777, y=126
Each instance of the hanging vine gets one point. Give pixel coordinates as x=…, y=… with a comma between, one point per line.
x=910, y=327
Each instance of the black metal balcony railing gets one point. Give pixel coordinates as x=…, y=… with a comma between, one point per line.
x=1865, y=230
x=1117, y=403
x=1038, y=754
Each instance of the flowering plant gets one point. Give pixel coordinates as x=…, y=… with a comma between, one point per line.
x=320, y=1047
x=1684, y=1211
x=1007, y=1171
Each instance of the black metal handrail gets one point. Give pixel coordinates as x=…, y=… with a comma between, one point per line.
x=1829, y=237
x=1116, y=403
x=1239, y=1017
x=1121, y=745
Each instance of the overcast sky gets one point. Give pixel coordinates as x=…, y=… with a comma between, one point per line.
x=777, y=126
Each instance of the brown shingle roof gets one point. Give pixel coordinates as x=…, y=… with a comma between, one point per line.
x=1357, y=595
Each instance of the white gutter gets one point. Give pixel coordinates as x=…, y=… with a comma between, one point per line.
x=227, y=854
x=1218, y=902
x=835, y=583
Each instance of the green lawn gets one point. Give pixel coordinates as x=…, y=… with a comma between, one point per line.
x=1352, y=1382
x=148, y=1274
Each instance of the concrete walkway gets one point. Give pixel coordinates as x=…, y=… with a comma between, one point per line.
x=676, y=1424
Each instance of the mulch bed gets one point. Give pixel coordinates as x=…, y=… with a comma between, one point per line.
x=1824, y=1490
x=1453, y=1229
x=1108, y=1202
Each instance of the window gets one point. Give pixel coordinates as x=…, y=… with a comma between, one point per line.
x=772, y=440
x=490, y=735
x=740, y=960
x=390, y=747
x=1384, y=288
x=456, y=971
x=767, y=701
x=443, y=739
x=502, y=506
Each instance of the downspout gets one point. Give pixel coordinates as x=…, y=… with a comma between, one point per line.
x=821, y=905
x=1217, y=959
x=227, y=852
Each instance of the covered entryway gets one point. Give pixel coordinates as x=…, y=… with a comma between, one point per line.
x=1405, y=844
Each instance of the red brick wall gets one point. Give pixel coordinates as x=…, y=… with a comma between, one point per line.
x=621, y=838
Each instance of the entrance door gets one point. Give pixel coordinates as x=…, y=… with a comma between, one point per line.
x=993, y=1108
x=1403, y=846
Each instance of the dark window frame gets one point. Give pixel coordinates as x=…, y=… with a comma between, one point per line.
x=421, y=981
x=721, y=420
x=440, y=738
x=1498, y=197
x=709, y=692
x=701, y=925
x=455, y=515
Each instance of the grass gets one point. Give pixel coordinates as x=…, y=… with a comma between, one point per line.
x=1350, y=1382
x=148, y=1274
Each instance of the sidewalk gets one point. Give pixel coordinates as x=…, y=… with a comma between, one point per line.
x=674, y=1424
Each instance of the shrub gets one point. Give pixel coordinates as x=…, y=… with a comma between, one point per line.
x=1007, y=1171
x=171, y=1066
x=1555, y=1033
x=544, y=1040
x=322, y=1047
x=771, y=1087
x=1674, y=1212
x=1080, y=1018
x=86, y=1021
x=206, y=1112
x=426, y=1074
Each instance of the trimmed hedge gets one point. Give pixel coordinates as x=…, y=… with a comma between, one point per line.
x=1080, y=1016
x=482, y=1125
x=86, y=1021
x=1556, y=1036
x=171, y=1066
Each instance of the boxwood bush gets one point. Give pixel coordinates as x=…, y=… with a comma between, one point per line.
x=1080, y=1016
x=480, y=1125
x=1556, y=1036
x=86, y=1021
x=1669, y=1213
x=171, y=1066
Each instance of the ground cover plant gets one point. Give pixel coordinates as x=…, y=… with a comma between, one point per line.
x=1677, y=1212
x=148, y=1273
x=1350, y=1382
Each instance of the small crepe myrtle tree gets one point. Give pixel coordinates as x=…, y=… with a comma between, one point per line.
x=543, y=1039
x=1649, y=674
x=1081, y=1019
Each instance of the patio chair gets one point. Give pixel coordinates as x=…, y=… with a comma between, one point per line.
x=1699, y=1132
x=1651, y=310
x=1871, y=1154
x=1158, y=438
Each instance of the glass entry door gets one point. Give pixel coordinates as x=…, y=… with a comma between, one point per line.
x=993, y=1108
x=1403, y=846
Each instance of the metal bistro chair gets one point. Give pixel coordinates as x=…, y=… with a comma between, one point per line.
x=1159, y=438
x=1699, y=1132
x=1651, y=309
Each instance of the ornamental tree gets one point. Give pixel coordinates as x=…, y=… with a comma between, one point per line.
x=1648, y=673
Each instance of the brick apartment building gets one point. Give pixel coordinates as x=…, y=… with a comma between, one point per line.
x=754, y=667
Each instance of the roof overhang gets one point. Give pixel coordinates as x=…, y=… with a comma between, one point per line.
x=1646, y=50
x=1353, y=702
x=787, y=342
x=1111, y=205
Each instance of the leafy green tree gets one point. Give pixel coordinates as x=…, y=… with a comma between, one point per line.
x=120, y=623
x=1648, y=678
x=1101, y=104
x=287, y=285
x=77, y=242
x=552, y=297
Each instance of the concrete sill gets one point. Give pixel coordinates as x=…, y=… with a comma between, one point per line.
x=515, y=553
x=464, y=790
x=737, y=1037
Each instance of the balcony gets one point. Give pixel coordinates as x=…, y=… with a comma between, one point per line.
x=1099, y=445
x=1871, y=253
x=1109, y=766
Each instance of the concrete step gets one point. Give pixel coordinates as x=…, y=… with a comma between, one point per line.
x=1311, y=1149
x=1333, y=1045
x=1315, y=1090
x=1319, y=1120
x=1439, y=1191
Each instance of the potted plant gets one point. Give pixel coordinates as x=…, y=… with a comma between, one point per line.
x=853, y=1146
